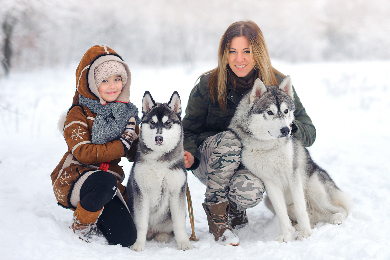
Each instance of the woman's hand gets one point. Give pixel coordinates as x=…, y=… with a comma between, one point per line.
x=188, y=159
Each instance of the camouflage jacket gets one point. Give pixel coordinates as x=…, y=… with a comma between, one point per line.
x=205, y=118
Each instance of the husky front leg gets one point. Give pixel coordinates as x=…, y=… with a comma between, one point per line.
x=298, y=196
x=276, y=195
x=178, y=213
x=141, y=220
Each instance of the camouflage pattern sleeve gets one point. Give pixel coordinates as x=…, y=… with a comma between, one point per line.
x=305, y=130
x=195, y=117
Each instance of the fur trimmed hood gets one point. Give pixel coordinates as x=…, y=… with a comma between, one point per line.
x=85, y=81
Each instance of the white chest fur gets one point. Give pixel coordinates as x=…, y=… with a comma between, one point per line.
x=273, y=164
x=155, y=178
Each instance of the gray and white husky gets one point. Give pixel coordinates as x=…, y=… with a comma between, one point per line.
x=297, y=189
x=158, y=178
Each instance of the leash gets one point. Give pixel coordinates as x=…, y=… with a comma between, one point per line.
x=191, y=214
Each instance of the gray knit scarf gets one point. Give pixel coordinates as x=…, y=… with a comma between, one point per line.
x=111, y=118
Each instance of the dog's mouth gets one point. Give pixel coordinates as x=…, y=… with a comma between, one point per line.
x=279, y=136
x=272, y=135
x=284, y=132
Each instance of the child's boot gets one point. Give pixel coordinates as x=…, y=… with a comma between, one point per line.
x=84, y=223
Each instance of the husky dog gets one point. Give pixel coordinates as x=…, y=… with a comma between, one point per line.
x=158, y=178
x=297, y=189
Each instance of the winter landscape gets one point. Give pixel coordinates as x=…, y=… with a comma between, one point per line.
x=338, y=63
x=347, y=101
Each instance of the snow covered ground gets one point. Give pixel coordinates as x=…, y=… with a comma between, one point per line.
x=348, y=102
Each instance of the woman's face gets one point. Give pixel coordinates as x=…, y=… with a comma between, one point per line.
x=239, y=58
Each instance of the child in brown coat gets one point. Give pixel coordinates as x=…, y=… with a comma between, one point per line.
x=99, y=129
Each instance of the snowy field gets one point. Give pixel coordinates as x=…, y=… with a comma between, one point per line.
x=348, y=102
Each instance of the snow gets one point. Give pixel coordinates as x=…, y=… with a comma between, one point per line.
x=348, y=103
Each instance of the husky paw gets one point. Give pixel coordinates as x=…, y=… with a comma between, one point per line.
x=163, y=237
x=304, y=234
x=336, y=219
x=282, y=239
x=184, y=245
x=286, y=237
x=138, y=246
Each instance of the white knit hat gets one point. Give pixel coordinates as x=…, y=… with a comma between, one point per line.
x=108, y=69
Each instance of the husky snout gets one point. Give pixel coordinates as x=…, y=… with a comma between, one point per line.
x=159, y=139
x=285, y=131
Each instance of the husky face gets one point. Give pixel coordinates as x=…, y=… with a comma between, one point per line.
x=161, y=123
x=271, y=110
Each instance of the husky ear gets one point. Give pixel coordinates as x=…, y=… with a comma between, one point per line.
x=257, y=91
x=286, y=86
x=174, y=103
x=147, y=102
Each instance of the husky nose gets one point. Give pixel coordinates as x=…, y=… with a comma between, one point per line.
x=285, y=131
x=158, y=139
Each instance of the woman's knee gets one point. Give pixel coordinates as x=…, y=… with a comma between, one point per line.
x=227, y=143
x=245, y=190
x=227, y=152
x=220, y=153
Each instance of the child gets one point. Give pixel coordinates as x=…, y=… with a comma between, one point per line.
x=99, y=129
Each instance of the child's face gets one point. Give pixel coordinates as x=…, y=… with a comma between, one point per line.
x=110, y=88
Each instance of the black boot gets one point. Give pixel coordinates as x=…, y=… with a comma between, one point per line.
x=237, y=218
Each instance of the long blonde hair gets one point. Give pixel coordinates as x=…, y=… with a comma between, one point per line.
x=259, y=56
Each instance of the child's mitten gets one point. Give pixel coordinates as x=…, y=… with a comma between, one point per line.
x=129, y=134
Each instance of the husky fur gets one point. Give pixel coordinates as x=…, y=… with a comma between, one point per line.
x=158, y=178
x=297, y=188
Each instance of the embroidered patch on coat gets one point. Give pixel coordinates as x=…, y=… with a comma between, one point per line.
x=77, y=133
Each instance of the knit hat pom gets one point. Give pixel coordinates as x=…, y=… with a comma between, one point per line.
x=108, y=69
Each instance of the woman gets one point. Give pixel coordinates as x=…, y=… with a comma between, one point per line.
x=213, y=153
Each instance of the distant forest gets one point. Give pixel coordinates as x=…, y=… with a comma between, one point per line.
x=42, y=33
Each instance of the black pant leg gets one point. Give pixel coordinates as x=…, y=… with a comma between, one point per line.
x=97, y=190
x=116, y=223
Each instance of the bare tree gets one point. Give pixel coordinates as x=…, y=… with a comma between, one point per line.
x=8, y=26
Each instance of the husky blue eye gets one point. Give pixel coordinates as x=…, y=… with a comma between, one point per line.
x=270, y=113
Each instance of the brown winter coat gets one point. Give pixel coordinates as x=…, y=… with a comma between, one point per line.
x=82, y=156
